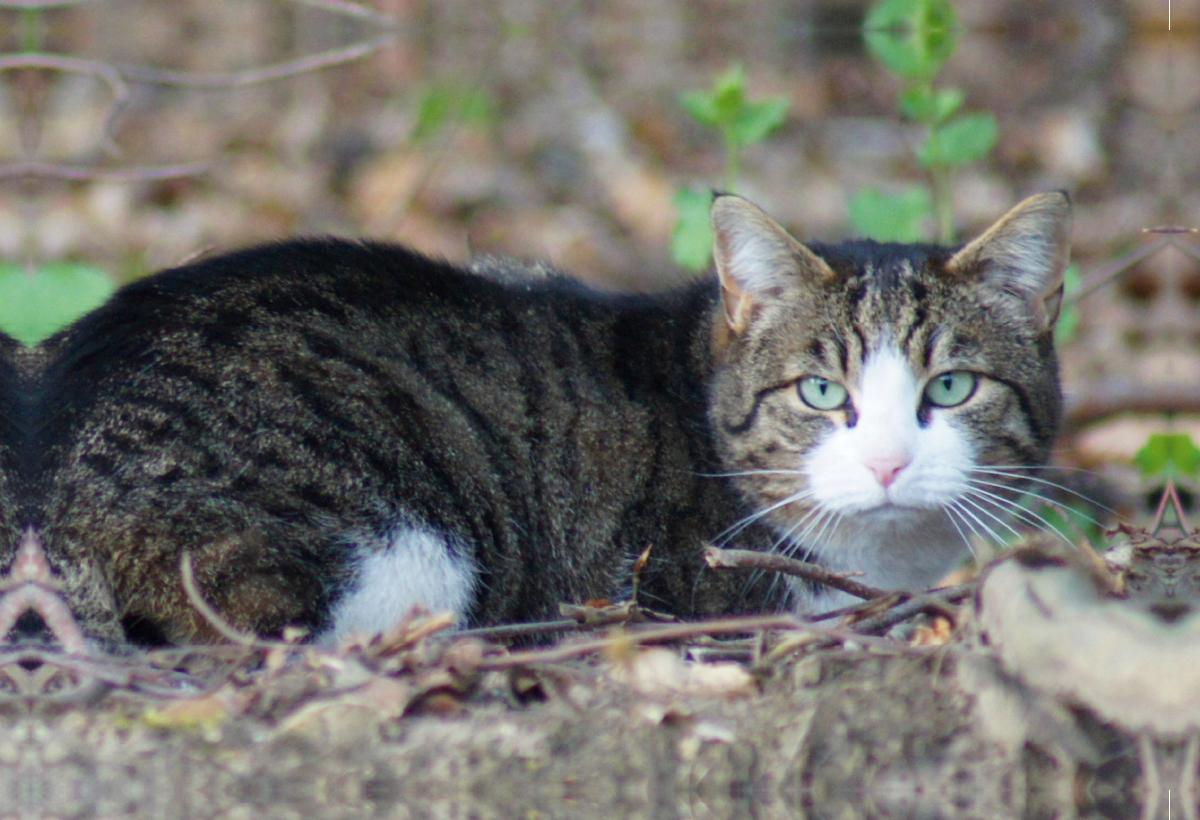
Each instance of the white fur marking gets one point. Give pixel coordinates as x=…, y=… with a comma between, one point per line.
x=895, y=530
x=416, y=567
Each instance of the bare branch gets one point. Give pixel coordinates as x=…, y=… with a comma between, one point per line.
x=1100, y=278
x=30, y=5
x=80, y=172
x=654, y=635
x=30, y=587
x=347, y=9
x=723, y=559
x=252, y=76
x=223, y=627
x=938, y=600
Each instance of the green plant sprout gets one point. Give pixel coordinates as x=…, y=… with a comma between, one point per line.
x=1068, y=316
x=442, y=104
x=35, y=303
x=741, y=122
x=1169, y=456
x=913, y=39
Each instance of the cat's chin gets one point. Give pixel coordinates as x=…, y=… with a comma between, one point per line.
x=890, y=513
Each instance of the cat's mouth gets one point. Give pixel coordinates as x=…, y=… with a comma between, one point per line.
x=889, y=511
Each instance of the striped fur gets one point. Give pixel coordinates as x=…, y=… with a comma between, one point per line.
x=292, y=415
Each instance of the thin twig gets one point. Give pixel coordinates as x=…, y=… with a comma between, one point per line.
x=80, y=172
x=223, y=627
x=107, y=668
x=1097, y=279
x=937, y=599
x=31, y=5
x=721, y=559
x=30, y=587
x=641, y=636
x=502, y=633
x=253, y=76
x=1185, y=246
x=347, y=9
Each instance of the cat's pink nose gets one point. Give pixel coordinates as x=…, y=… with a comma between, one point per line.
x=886, y=469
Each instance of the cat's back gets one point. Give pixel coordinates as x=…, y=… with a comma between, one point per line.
x=303, y=317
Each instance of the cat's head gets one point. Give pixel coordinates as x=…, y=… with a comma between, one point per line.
x=878, y=381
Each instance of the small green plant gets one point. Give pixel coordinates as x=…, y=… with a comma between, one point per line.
x=35, y=303
x=446, y=103
x=913, y=39
x=741, y=122
x=1068, y=317
x=1168, y=455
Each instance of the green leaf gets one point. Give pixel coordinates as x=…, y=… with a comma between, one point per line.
x=1168, y=454
x=448, y=103
x=924, y=104
x=913, y=38
x=959, y=141
x=701, y=106
x=756, y=120
x=898, y=217
x=35, y=304
x=729, y=93
x=1068, y=317
x=691, y=241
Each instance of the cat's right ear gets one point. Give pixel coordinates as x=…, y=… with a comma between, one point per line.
x=755, y=258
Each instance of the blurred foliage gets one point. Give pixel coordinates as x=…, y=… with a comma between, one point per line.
x=451, y=103
x=1168, y=455
x=891, y=217
x=913, y=39
x=1068, y=317
x=741, y=122
x=35, y=303
x=692, y=239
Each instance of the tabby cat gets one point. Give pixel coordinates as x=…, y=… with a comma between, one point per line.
x=338, y=430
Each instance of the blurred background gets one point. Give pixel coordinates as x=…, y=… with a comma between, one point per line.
x=136, y=134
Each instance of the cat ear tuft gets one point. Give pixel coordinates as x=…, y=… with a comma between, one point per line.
x=1025, y=253
x=755, y=257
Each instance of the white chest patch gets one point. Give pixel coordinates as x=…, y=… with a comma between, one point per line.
x=888, y=480
x=416, y=567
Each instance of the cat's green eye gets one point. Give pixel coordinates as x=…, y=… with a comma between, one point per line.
x=951, y=389
x=822, y=394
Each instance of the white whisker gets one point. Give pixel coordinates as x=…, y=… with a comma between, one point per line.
x=810, y=519
x=949, y=511
x=1038, y=521
x=957, y=507
x=963, y=502
x=1010, y=472
x=977, y=482
x=733, y=530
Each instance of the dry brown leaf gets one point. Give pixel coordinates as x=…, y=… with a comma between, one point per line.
x=936, y=633
x=658, y=672
x=200, y=713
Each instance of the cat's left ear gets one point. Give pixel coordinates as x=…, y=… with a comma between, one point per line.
x=1025, y=253
x=755, y=258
